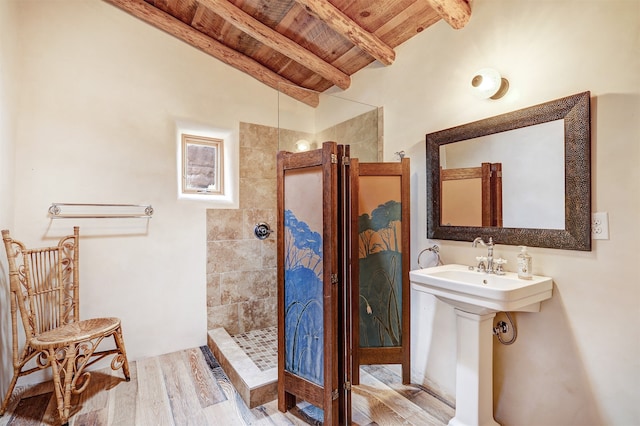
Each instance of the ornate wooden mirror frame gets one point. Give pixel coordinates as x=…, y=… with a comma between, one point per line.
x=575, y=111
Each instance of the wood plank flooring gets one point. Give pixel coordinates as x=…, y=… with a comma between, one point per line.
x=189, y=388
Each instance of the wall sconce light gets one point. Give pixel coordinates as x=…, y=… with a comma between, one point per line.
x=489, y=84
x=303, y=145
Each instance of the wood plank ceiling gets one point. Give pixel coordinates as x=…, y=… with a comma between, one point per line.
x=300, y=47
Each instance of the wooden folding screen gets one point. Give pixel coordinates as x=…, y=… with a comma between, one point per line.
x=308, y=274
x=322, y=278
x=380, y=265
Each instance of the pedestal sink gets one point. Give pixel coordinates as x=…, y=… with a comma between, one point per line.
x=476, y=297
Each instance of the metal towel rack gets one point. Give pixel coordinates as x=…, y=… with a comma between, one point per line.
x=100, y=211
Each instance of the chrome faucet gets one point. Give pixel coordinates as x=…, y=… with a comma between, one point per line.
x=489, y=268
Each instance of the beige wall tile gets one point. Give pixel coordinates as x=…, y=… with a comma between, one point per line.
x=257, y=314
x=243, y=286
x=288, y=138
x=224, y=224
x=257, y=193
x=227, y=256
x=225, y=316
x=258, y=136
x=257, y=163
x=213, y=290
x=269, y=253
x=254, y=216
x=361, y=133
x=328, y=135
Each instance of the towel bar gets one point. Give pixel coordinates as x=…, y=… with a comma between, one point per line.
x=103, y=211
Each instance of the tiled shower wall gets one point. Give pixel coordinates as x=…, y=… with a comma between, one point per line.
x=241, y=270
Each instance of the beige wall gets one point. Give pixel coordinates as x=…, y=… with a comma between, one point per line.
x=577, y=361
x=8, y=92
x=95, y=122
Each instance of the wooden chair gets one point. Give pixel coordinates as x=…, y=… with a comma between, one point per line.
x=45, y=290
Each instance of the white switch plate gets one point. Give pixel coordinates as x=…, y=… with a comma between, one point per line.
x=600, y=226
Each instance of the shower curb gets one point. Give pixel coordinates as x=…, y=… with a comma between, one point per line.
x=256, y=387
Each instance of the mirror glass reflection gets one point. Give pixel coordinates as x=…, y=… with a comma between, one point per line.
x=532, y=164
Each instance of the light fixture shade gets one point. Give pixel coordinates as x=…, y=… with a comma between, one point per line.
x=488, y=84
x=303, y=145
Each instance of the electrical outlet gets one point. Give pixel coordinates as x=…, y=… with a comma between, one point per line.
x=600, y=226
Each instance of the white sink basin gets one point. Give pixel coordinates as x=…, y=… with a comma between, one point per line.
x=482, y=293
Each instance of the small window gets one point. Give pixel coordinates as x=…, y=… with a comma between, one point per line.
x=202, y=163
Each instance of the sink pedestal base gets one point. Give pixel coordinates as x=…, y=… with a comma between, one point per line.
x=476, y=297
x=474, y=371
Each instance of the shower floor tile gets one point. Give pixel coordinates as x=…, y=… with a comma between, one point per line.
x=261, y=346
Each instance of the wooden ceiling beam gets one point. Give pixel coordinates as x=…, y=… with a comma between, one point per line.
x=265, y=35
x=345, y=26
x=159, y=19
x=456, y=12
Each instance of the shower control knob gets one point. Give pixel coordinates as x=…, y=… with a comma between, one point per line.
x=262, y=230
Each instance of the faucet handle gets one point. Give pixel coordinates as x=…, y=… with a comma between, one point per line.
x=481, y=263
x=500, y=265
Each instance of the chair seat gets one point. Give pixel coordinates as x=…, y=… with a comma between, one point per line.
x=76, y=332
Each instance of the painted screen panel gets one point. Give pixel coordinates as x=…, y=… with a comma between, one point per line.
x=380, y=261
x=462, y=202
x=303, y=268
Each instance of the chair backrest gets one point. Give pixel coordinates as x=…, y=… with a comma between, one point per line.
x=44, y=283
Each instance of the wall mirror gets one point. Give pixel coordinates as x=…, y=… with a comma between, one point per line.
x=544, y=197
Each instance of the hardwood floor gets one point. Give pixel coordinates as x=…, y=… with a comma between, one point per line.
x=190, y=388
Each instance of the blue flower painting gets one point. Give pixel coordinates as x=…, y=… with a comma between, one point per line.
x=303, y=296
x=380, y=261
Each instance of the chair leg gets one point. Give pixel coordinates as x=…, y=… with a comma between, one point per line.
x=12, y=385
x=122, y=356
x=18, y=363
x=63, y=371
